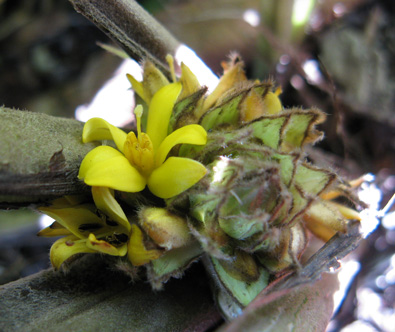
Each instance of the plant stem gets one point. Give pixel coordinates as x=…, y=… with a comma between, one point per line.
x=127, y=23
x=39, y=157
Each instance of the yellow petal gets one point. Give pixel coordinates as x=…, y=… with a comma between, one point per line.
x=96, y=155
x=159, y=112
x=327, y=214
x=137, y=253
x=97, y=129
x=234, y=74
x=346, y=212
x=153, y=79
x=321, y=231
x=105, y=202
x=79, y=220
x=55, y=229
x=272, y=104
x=174, y=176
x=252, y=106
x=66, y=247
x=110, y=170
x=105, y=247
x=138, y=88
x=191, y=134
x=116, y=173
x=190, y=83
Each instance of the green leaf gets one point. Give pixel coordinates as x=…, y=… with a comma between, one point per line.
x=299, y=203
x=298, y=124
x=224, y=115
x=313, y=180
x=242, y=292
x=287, y=165
x=308, y=182
x=268, y=130
x=300, y=128
x=243, y=226
x=183, y=111
x=201, y=207
x=175, y=261
x=286, y=131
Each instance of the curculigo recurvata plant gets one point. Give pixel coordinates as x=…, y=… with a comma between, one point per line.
x=221, y=176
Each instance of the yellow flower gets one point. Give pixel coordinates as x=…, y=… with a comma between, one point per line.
x=141, y=161
x=85, y=230
x=324, y=217
x=137, y=253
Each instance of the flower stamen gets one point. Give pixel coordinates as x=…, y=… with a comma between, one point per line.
x=170, y=61
x=138, y=112
x=139, y=150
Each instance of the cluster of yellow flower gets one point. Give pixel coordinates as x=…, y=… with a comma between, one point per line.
x=230, y=174
x=136, y=163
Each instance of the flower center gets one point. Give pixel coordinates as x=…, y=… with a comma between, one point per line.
x=139, y=150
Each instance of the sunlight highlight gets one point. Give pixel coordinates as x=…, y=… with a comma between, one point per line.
x=301, y=11
x=346, y=275
x=371, y=195
x=252, y=17
x=220, y=168
x=312, y=70
x=114, y=101
x=45, y=221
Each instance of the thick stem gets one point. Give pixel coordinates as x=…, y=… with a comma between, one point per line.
x=39, y=157
x=137, y=32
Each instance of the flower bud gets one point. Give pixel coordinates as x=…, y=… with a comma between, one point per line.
x=164, y=228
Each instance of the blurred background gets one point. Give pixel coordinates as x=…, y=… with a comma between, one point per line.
x=335, y=55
